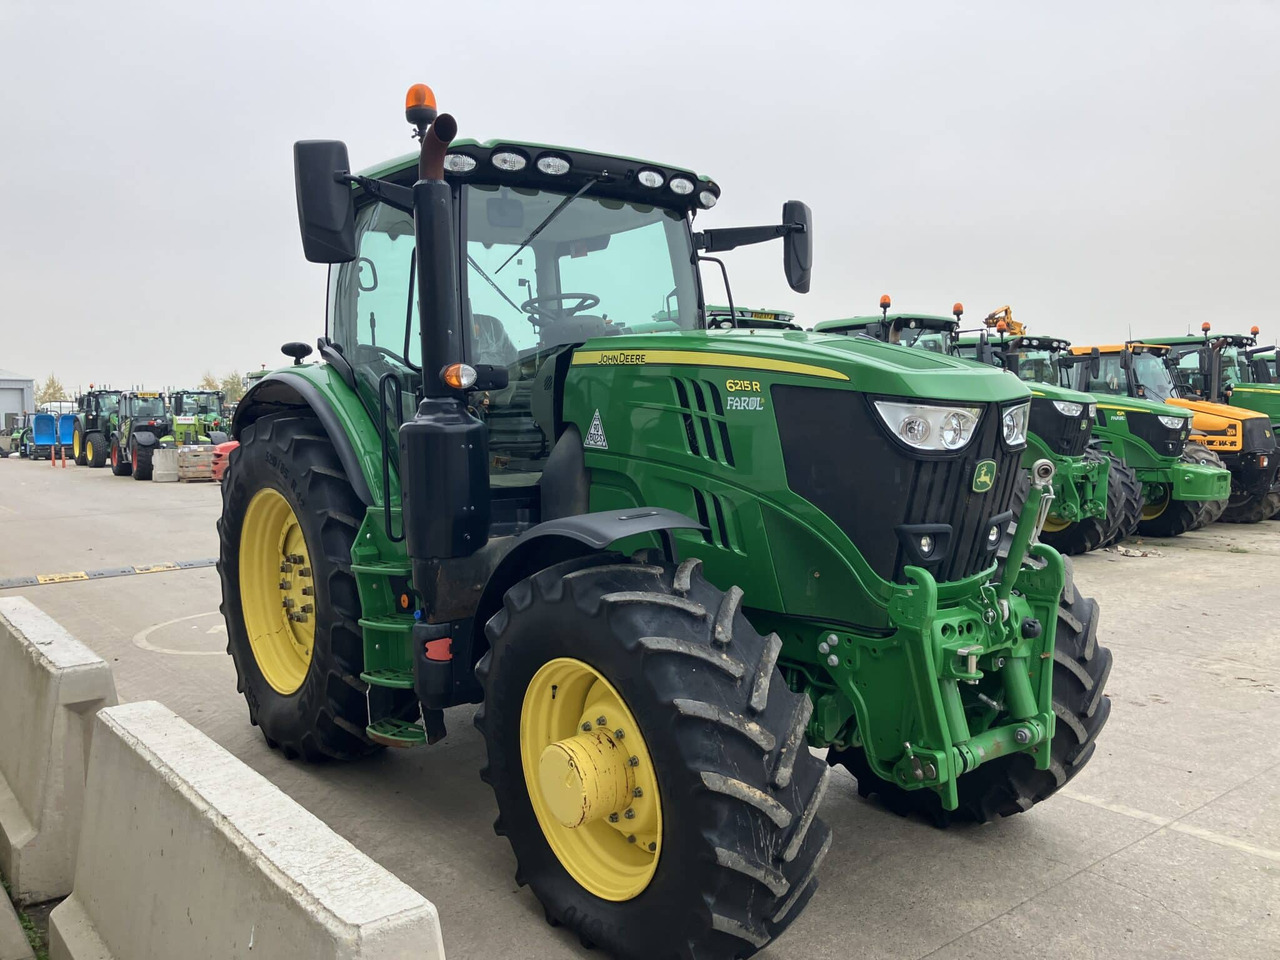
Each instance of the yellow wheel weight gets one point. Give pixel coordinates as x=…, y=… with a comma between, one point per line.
x=590, y=779
x=277, y=591
x=1054, y=524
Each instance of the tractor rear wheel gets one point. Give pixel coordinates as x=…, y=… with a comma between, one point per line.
x=120, y=467
x=1012, y=784
x=648, y=760
x=95, y=449
x=289, y=519
x=1129, y=514
x=77, y=447
x=141, y=461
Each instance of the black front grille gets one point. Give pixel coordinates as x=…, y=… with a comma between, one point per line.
x=1257, y=435
x=1066, y=436
x=1165, y=441
x=840, y=457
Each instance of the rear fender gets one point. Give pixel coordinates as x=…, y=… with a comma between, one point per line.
x=317, y=390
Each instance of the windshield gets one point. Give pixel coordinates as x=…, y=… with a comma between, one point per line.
x=596, y=268
x=1037, y=366
x=935, y=341
x=148, y=407
x=192, y=404
x=1152, y=377
x=1234, y=368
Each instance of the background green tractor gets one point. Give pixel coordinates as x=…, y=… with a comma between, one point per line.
x=22, y=439
x=1096, y=498
x=200, y=416
x=1184, y=484
x=643, y=552
x=1226, y=368
x=138, y=427
x=727, y=318
x=95, y=408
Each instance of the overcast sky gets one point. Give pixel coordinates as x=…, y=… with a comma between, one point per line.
x=1096, y=165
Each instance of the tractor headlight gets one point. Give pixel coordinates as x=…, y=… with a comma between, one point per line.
x=1069, y=409
x=1014, y=424
x=1173, y=423
x=681, y=185
x=929, y=427
x=1093, y=411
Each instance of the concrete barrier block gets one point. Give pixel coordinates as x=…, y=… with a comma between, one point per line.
x=50, y=687
x=164, y=465
x=186, y=852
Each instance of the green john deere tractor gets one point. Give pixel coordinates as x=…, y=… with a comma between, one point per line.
x=1185, y=485
x=1096, y=498
x=91, y=443
x=637, y=542
x=199, y=416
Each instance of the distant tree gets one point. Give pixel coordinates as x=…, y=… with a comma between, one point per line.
x=49, y=391
x=209, y=382
x=232, y=386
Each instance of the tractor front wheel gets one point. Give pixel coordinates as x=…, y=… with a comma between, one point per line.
x=648, y=760
x=1163, y=516
x=141, y=457
x=77, y=447
x=1012, y=784
x=95, y=449
x=289, y=519
x=120, y=467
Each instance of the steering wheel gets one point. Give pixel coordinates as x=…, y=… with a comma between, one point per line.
x=535, y=306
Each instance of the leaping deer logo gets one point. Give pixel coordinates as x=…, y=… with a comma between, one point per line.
x=984, y=476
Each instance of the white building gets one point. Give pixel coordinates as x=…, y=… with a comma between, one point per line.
x=17, y=395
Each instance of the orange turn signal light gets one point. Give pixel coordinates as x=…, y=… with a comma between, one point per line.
x=458, y=376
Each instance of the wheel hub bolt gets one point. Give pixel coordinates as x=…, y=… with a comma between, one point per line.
x=833, y=661
x=285, y=584
x=618, y=734
x=634, y=761
x=637, y=792
x=287, y=603
x=631, y=838
x=586, y=727
x=613, y=818
x=601, y=722
x=307, y=608
x=824, y=647
x=308, y=591
x=652, y=847
x=630, y=814
x=286, y=567
x=304, y=572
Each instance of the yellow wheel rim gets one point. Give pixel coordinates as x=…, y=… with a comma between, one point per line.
x=1152, y=510
x=590, y=779
x=1054, y=524
x=88, y=450
x=75, y=444
x=276, y=591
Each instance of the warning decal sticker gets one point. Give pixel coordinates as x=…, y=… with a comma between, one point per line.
x=595, y=436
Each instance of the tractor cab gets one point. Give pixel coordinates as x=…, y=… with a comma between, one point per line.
x=1227, y=369
x=1242, y=439
x=201, y=416
x=931, y=332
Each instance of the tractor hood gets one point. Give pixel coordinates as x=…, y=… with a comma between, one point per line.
x=1214, y=416
x=1051, y=392
x=1134, y=405
x=838, y=361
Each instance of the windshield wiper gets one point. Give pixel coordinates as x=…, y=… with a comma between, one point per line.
x=488, y=279
x=550, y=216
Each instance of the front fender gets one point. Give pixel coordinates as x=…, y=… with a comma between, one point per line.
x=316, y=388
x=144, y=438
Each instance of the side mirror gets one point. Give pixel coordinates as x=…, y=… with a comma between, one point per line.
x=1095, y=363
x=326, y=207
x=1011, y=363
x=797, y=245
x=1126, y=359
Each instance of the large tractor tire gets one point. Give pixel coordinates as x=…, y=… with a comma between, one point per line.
x=635, y=702
x=95, y=449
x=1252, y=509
x=1124, y=523
x=141, y=457
x=120, y=467
x=1168, y=517
x=77, y=447
x=289, y=518
x=1012, y=784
